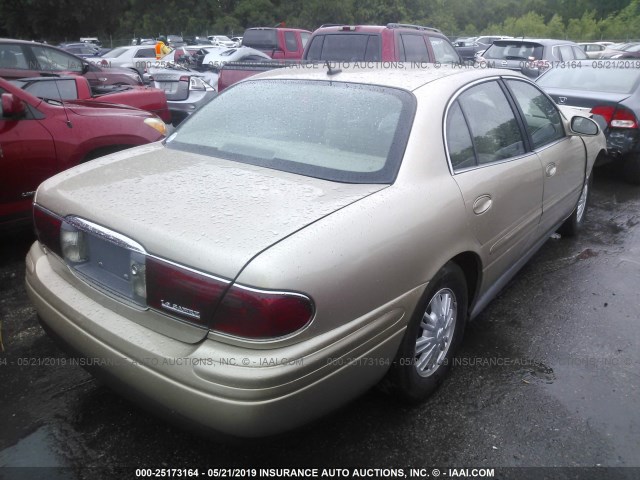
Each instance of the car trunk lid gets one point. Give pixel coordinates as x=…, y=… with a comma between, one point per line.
x=204, y=213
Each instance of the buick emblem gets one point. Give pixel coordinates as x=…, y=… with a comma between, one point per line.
x=562, y=100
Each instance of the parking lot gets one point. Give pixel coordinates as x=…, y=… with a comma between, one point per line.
x=547, y=377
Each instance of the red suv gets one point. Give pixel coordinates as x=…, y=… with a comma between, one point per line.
x=395, y=42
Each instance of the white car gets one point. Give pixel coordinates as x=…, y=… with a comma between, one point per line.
x=135, y=57
x=221, y=41
x=216, y=58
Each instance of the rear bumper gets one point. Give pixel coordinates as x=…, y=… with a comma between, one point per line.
x=245, y=393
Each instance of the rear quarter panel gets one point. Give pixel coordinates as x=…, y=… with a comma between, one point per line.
x=382, y=247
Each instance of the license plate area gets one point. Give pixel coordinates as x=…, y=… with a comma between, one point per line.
x=110, y=262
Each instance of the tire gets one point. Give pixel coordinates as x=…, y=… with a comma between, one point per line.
x=631, y=169
x=574, y=223
x=414, y=377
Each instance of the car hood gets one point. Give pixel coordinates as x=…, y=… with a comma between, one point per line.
x=92, y=108
x=210, y=214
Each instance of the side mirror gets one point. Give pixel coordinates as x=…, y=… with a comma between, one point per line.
x=583, y=126
x=12, y=106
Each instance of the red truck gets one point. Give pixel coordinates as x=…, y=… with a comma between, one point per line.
x=394, y=42
x=150, y=99
x=279, y=42
x=39, y=138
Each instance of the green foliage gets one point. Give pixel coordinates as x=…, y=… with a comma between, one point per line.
x=57, y=20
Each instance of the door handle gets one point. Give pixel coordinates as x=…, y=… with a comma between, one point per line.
x=551, y=170
x=482, y=204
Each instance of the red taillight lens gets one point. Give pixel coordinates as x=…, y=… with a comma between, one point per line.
x=259, y=315
x=47, y=226
x=616, y=117
x=183, y=293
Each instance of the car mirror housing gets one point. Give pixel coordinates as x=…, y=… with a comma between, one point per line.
x=12, y=106
x=583, y=126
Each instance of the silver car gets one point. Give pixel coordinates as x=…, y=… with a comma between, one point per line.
x=336, y=230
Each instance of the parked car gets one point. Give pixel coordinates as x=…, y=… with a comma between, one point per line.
x=91, y=40
x=278, y=43
x=252, y=274
x=20, y=59
x=186, y=88
x=143, y=41
x=216, y=57
x=394, y=42
x=626, y=50
x=78, y=88
x=238, y=41
x=613, y=93
x=82, y=50
x=467, y=49
x=531, y=56
x=133, y=57
x=221, y=41
x=594, y=49
x=40, y=138
x=175, y=41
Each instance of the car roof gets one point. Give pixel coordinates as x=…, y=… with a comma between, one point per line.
x=541, y=41
x=335, y=28
x=397, y=75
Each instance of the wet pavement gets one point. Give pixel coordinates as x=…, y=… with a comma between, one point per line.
x=548, y=376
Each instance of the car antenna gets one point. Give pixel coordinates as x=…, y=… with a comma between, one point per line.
x=331, y=71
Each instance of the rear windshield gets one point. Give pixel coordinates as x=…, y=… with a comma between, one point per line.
x=260, y=39
x=336, y=131
x=514, y=51
x=614, y=80
x=345, y=47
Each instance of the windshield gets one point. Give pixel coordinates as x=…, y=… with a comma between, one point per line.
x=614, y=80
x=332, y=130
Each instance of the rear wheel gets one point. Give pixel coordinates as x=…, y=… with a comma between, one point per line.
x=432, y=337
x=573, y=224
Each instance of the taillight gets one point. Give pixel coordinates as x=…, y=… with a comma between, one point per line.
x=616, y=117
x=260, y=314
x=182, y=292
x=47, y=226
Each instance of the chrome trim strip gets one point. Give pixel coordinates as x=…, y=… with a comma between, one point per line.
x=105, y=234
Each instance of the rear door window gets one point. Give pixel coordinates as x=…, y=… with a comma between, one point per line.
x=443, y=51
x=541, y=116
x=291, y=41
x=53, y=60
x=415, y=49
x=566, y=53
x=146, y=53
x=13, y=56
x=59, y=89
x=497, y=136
